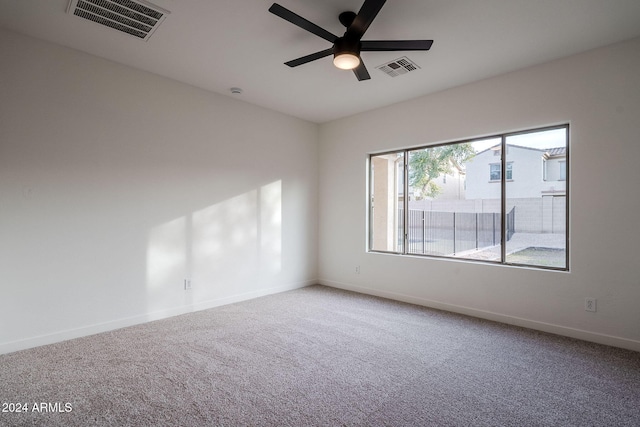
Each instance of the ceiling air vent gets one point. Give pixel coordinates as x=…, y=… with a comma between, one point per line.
x=136, y=18
x=398, y=67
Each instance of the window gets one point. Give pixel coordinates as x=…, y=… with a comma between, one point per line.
x=523, y=222
x=563, y=170
x=495, y=170
x=386, y=201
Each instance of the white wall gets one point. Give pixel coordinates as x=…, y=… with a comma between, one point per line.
x=598, y=93
x=116, y=184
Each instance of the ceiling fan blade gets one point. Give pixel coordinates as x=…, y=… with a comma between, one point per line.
x=298, y=20
x=361, y=72
x=309, y=58
x=389, y=45
x=365, y=17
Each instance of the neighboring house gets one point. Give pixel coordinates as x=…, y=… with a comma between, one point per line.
x=536, y=186
x=531, y=173
x=451, y=189
x=452, y=185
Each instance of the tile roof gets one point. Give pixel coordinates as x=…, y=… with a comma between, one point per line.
x=556, y=152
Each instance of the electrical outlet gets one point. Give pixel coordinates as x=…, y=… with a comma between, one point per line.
x=357, y=269
x=187, y=284
x=590, y=304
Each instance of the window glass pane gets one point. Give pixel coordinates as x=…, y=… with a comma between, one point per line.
x=494, y=171
x=386, y=204
x=443, y=219
x=536, y=216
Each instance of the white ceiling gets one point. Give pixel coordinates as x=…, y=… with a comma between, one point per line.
x=219, y=44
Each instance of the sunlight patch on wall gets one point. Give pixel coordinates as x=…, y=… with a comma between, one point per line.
x=227, y=248
x=224, y=243
x=271, y=227
x=166, y=261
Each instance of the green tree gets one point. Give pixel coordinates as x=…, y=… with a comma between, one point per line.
x=428, y=164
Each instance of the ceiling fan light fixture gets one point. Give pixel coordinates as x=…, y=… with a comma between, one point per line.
x=346, y=60
x=346, y=53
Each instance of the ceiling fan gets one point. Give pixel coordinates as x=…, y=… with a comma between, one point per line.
x=346, y=49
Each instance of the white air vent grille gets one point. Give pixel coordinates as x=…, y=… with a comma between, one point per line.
x=136, y=18
x=398, y=67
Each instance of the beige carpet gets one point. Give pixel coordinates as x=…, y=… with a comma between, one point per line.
x=321, y=357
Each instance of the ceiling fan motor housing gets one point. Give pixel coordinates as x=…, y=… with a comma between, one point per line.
x=346, y=45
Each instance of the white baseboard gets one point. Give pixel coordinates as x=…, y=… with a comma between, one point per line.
x=10, y=347
x=251, y=295
x=488, y=315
